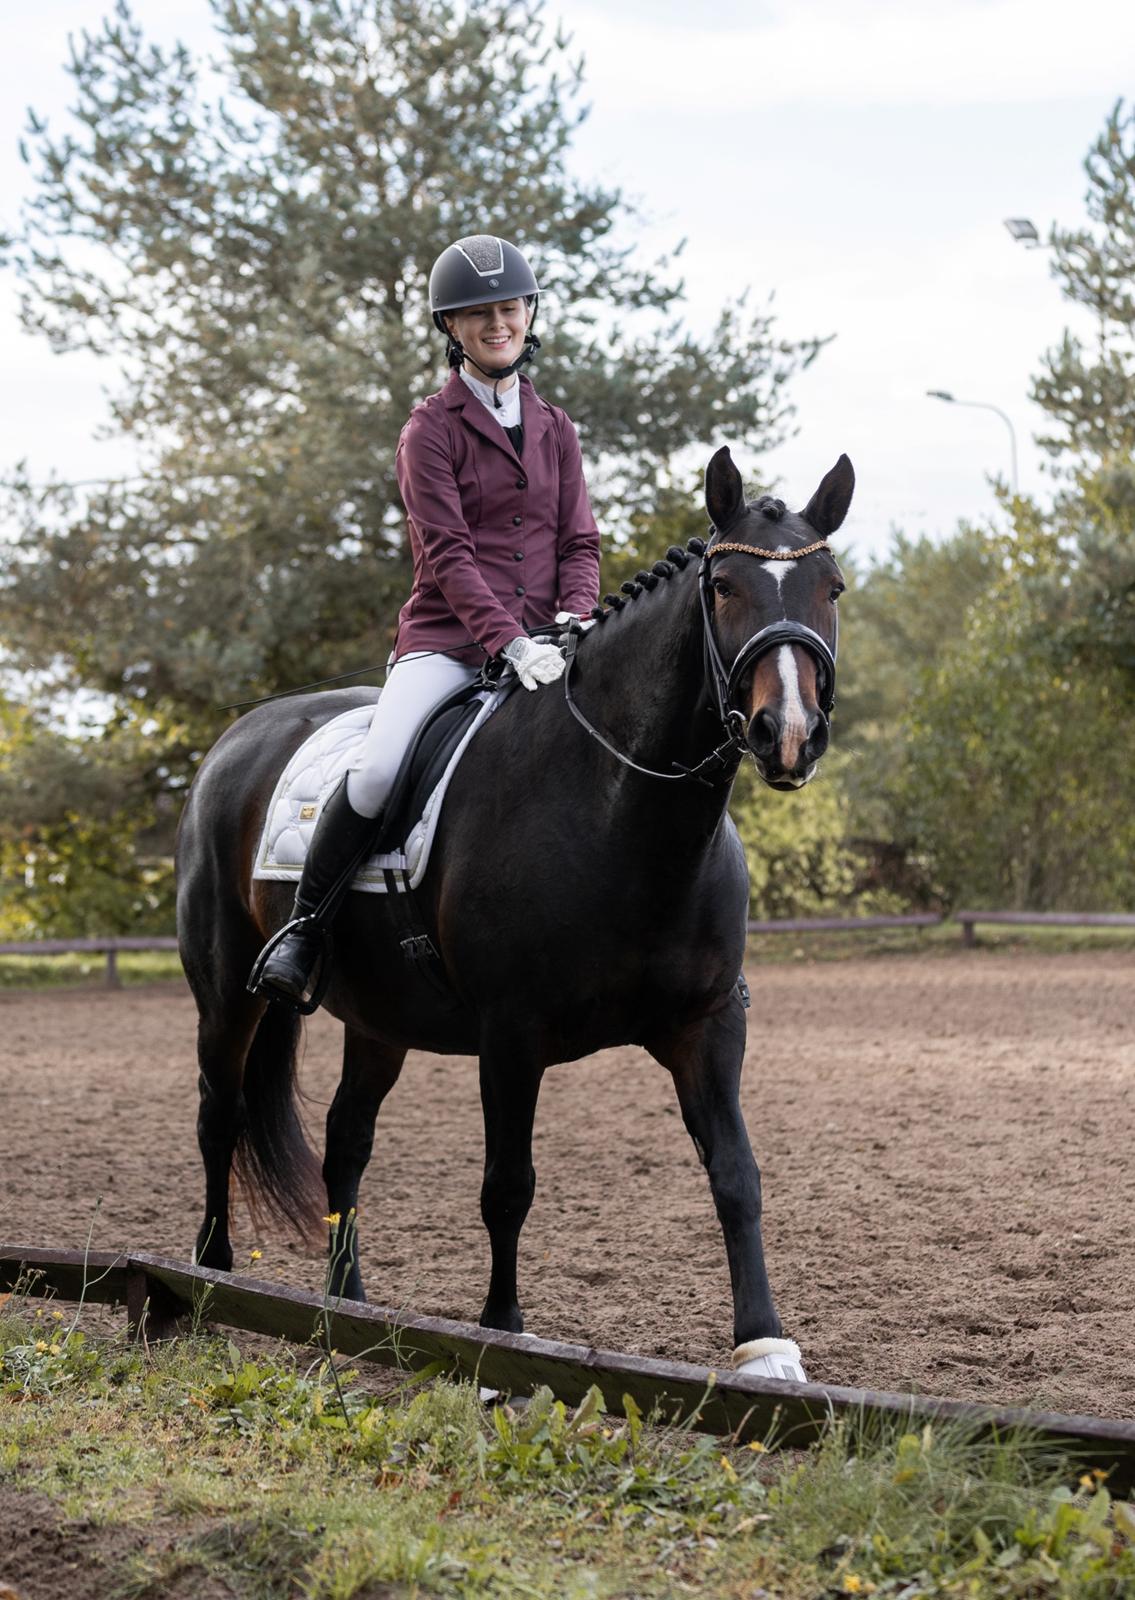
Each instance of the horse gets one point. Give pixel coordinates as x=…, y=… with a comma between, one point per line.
x=586, y=889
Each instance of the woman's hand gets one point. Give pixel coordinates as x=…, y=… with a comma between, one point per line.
x=535, y=663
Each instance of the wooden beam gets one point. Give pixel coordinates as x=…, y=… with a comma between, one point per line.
x=720, y=1402
x=1049, y=919
x=63, y=947
x=914, y=919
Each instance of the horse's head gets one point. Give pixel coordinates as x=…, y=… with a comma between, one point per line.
x=773, y=588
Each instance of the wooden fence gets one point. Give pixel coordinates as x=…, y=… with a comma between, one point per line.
x=968, y=921
x=1042, y=919
x=109, y=946
x=156, y=1292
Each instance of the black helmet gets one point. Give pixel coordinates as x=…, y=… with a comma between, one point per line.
x=476, y=271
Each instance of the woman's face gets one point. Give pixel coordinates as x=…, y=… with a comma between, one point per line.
x=493, y=335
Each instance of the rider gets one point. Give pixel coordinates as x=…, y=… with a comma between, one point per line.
x=502, y=538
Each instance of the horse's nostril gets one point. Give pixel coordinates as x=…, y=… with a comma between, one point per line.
x=764, y=732
x=817, y=741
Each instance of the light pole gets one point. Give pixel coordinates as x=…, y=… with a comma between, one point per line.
x=984, y=405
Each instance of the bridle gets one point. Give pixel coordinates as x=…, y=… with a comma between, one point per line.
x=721, y=764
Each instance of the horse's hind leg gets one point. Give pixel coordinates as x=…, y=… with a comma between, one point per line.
x=704, y=1060
x=510, y=1088
x=370, y=1071
x=226, y=1028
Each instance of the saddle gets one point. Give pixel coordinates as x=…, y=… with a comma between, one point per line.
x=428, y=756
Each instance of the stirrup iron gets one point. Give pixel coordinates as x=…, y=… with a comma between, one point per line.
x=257, y=984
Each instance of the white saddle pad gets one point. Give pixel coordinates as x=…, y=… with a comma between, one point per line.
x=309, y=777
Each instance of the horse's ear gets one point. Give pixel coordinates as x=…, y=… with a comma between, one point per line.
x=827, y=508
x=724, y=491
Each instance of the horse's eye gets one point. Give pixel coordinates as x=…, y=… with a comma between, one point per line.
x=721, y=588
x=837, y=590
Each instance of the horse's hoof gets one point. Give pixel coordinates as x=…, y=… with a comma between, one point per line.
x=770, y=1358
x=493, y=1397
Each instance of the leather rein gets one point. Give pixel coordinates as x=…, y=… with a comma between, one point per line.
x=721, y=764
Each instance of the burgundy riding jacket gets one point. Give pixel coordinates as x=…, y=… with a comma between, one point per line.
x=500, y=542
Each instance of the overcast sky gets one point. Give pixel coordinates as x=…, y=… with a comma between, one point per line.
x=857, y=160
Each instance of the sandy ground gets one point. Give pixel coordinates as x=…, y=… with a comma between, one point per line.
x=946, y=1145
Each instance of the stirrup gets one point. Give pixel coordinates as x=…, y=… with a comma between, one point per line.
x=258, y=984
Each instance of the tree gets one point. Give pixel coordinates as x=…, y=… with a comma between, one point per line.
x=73, y=835
x=1090, y=397
x=253, y=253
x=1017, y=785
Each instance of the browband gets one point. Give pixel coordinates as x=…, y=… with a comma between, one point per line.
x=769, y=555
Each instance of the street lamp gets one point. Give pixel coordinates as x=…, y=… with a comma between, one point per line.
x=1023, y=232
x=983, y=405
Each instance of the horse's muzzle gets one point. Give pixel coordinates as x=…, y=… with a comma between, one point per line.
x=786, y=756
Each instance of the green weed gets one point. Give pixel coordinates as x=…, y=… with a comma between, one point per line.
x=278, y=1476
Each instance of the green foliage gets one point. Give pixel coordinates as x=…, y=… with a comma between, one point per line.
x=1017, y=782
x=259, y=1480
x=802, y=861
x=72, y=829
x=1090, y=397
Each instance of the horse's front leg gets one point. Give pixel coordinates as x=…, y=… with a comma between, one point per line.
x=704, y=1059
x=370, y=1071
x=510, y=1087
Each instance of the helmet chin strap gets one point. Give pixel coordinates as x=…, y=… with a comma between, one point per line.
x=497, y=375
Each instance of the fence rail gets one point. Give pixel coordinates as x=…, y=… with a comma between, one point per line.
x=1042, y=919
x=916, y=919
x=109, y=946
x=157, y=1291
x=968, y=921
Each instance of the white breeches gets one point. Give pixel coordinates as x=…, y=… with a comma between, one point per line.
x=414, y=685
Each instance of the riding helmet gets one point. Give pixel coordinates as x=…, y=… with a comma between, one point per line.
x=476, y=271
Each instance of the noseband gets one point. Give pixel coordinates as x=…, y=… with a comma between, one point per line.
x=721, y=763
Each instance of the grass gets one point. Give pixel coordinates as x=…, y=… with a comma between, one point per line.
x=135, y=968
x=205, y=1468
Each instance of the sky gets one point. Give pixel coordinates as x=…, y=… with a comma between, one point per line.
x=856, y=162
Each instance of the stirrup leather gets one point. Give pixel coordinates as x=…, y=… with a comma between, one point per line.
x=258, y=984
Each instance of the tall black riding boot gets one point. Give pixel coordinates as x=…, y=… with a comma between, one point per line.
x=296, y=954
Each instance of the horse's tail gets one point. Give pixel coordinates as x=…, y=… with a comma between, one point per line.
x=273, y=1162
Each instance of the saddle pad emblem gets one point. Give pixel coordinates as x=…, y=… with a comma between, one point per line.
x=307, y=812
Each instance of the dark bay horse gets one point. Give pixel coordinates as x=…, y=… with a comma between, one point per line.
x=576, y=900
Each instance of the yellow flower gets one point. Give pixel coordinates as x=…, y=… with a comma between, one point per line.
x=55, y=1349
x=40, y=1344
x=333, y=1219
x=57, y=1316
x=1087, y=1481
x=852, y=1584
x=255, y=1255
x=756, y=1444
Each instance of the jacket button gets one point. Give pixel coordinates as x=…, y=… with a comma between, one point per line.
x=522, y=483
x=520, y=589
x=516, y=521
x=518, y=555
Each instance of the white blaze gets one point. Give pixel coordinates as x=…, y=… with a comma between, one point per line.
x=779, y=569
x=795, y=717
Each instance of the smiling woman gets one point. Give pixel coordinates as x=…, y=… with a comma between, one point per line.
x=503, y=539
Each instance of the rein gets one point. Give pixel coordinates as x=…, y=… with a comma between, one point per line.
x=722, y=763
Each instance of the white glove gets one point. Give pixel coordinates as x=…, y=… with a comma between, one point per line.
x=535, y=663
